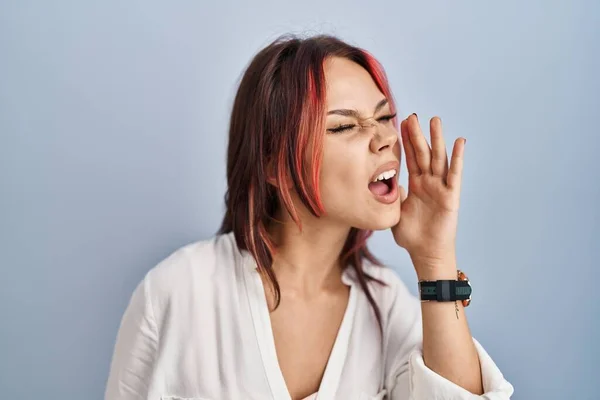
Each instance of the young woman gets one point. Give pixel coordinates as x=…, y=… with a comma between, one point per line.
x=287, y=302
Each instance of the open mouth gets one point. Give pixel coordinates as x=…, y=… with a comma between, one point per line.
x=384, y=184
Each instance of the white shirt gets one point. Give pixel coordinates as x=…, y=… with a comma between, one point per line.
x=197, y=328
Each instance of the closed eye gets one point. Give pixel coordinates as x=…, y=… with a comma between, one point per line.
x=387, y=117
x=342, y=128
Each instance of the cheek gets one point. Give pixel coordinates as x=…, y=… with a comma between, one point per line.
x=397, y=150
x=344, y=172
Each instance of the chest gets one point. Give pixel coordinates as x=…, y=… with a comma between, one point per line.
x=239, y=350
x=304, y=335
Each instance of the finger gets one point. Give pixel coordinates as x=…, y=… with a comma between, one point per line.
x=456, y=165
x=420, y=144
x=439, y=156
x=411, y=158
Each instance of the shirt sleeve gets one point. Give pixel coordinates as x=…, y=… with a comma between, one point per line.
x=426, y=384
x=135, y=349
x=407, y=376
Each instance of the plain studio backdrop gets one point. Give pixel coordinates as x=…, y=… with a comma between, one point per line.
x=113, y=124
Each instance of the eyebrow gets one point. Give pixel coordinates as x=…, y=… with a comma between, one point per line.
x=353, y=113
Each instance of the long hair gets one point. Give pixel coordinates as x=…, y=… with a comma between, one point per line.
x=278, y=117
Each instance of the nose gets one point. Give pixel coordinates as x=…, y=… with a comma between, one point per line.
x=383, y=137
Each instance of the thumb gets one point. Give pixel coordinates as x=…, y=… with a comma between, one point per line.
x=403, y=194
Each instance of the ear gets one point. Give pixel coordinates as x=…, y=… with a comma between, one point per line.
x=271, y=173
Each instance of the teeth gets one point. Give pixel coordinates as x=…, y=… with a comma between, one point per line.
x=385, y=175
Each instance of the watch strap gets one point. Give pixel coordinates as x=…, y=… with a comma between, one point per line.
x=445, y=290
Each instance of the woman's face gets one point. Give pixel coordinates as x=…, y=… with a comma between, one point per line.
x=354, y=157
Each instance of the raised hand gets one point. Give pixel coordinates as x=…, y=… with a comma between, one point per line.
x=429, y=211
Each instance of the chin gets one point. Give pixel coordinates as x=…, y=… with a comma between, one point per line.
x=382, y=220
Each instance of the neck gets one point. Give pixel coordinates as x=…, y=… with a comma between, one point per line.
x=307, y=261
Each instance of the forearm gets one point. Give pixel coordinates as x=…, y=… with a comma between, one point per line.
x=448, y=347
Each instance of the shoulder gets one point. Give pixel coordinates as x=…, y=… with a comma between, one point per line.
x=399, y=308
x=390, y=288
x=400, y=311
x=194, y=269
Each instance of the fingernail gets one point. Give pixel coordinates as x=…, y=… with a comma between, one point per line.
x=415, y=114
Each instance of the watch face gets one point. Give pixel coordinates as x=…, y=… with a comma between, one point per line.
x=468, y=301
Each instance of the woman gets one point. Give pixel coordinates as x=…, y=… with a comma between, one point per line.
x=287, y=302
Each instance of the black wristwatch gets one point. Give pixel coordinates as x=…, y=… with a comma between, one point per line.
x=447, y=290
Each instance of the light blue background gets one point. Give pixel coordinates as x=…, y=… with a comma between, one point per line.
x=113, y=121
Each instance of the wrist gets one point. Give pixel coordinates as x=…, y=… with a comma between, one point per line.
x=433, y=269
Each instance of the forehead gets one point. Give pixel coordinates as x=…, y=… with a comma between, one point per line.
x=350, y=86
